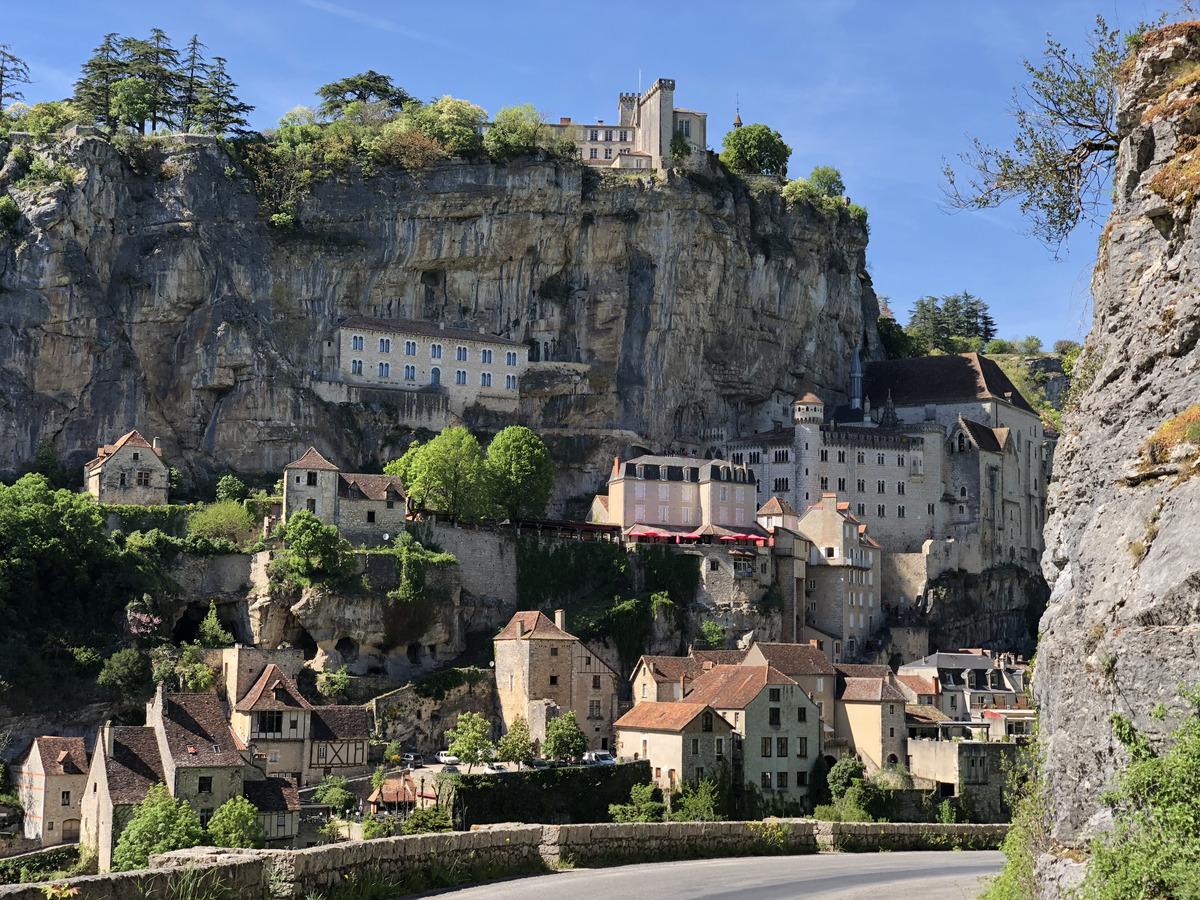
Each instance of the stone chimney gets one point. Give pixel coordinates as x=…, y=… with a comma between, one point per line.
x=616, y=467
x=108, y=738
x=155, y=445
x=560, y=619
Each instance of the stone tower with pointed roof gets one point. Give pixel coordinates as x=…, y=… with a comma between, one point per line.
x=367, y=509
x=128, y=472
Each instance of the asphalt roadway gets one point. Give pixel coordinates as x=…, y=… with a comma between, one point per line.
x=931, y=875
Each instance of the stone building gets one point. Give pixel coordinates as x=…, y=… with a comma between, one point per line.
x=680, y=495
x=871, y=716
x=941, y=456
x=50, y=778
x=129, y=472
x=468, y=367
x=543, y=672
x=364, y=508
x=808, y=667
x=685, y=742
x=966, y=683
x=778, y=727
x=642, y=133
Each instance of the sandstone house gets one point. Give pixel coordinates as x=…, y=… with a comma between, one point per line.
x=364, y=508
x=50, y=778
x=129, y=472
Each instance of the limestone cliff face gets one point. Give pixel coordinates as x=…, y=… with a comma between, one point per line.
x=668, y=306
x=1123, y=625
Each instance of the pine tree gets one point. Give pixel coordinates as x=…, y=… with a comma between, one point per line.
x=192, y=73
x=94, y=89
x=219, y=111
x=153, y=61
x=13, y=71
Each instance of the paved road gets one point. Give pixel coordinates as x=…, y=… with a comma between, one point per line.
x=828, y=876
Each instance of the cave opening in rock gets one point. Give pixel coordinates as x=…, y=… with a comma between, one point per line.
x=348, y=648
x=304, y=642
x=414, y=654
x=187, y=629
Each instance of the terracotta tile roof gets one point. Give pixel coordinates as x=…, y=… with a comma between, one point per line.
x=532, y=624
x=796, y=659
x=273, y=795
x=872, y=690
x=917, y=684
x=777, y=507
x=855, y=671
x=312, y=460
x=733, y=687
x=939, y=379
x=983, y=437
x=924, y=714
x=719, y=657
x=339, y=723
x=397, y=788
x=666, y=716
x=371, y=487
x=272, y=690
x=603, y=498
x=132, y=439
x=135, y=765
x=59, y=755
x=671, y=668
x=425, y=329
x=197, y=732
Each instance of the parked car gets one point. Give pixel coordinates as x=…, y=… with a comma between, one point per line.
x=450, y=770
x=495, y=768
x=445, y=757
x=598, y=758
x=412, y=760
x=535, y=764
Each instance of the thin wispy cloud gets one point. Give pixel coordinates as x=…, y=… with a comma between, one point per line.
x=362, y=18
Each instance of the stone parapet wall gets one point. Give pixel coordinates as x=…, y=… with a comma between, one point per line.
x=492, y=850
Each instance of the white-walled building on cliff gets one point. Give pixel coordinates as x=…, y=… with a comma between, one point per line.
x=128, y=472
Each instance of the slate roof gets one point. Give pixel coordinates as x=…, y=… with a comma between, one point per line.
x=858, y=671
x=702, y=470
x=733, y=687
x=650, y=716
x=273, y=795
x=424, y=329
x=339, y=723
x=785, y=435
x=312, y=460
x=671, y=668
x=982, y=436
x=872, y=690
x=59, y=755
x=132, y=439
x=135, y=765
x=532, y=624
x=272, y=690
x=940, y=379
x=796, y=659
x=371, y=487
x=197, y=732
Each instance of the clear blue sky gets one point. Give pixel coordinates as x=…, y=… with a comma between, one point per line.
x=881, y=90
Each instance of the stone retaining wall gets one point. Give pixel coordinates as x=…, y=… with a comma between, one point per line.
x=493, y=850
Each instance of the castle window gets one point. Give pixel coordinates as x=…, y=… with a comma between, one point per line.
x=510, y=381
x=592, y=154
x=929, y=509
x=370, y=516
x=962, y=442
x=881, y=510
x=594, y=134
x=485, y=356
x=435, y=351
x=356, y=367
x=824, y=455
x=485, y=379
x=435, y=376
x=685, y=127
x=899, y=512
x=782, y=456
x=385, y=345
x=143, y=479
x=410, y=348
x=862, y=457
x=899, y=460
x=311, y=505
x=312, y=479
x=841, y=484
x=755, y=457
x=608, y=134
x=460, y=354
x=824, y=483
x=841, y=456
x=862, y=509
x=357, y=342
x=879, y=459
x=900, y=487
x=510, y=358
x=862, y=484
x=608, y=153
x=782, y=484
x=384, y=370
x=460, y=377
x=881, y=487
x=410, y=373
x=624, y=135
x=962, y=491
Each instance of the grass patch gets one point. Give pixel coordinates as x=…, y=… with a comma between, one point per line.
x=1181, y=429
x=1182, y=173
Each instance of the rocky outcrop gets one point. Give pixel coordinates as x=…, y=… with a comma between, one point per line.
x=1123, y=625
x=151, y=293
x=998, y=607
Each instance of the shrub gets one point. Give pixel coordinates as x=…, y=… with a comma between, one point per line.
x=230, y=487
x=333, y=790
x=406, y=147
x=127, y=674
x=642, y=807
x=1000, y=346
x=224, y=520
x=713, y=633
x=10, y=214
x=212, y=635
x=844, y=773
x=160, y=824
x=428, y=820
x=42, y=173
x=235, y=824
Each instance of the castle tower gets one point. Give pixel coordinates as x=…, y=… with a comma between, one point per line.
x=856, y=378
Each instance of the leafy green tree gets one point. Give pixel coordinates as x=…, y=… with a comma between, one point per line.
x=429, y=820
x=333, y=790
x=1063, y=347
x=230, y=487
x=47, y=463
x=564, y=738
x=516, y=746
x=1065, y=145
x=999, y=346
x=446, y=474
x=366, y=87
x=681, y=148
x=844, y=773
x=334, y=684
x=127, y=674
x=1030, y=345
x=713, y=633
x=898, y=343
x=756, y=150
x=378, y=777
x=642, y=807
x=227, y=519
x=698, y=802
x=14, y=72
x=131, y=103
x=455, y=124
x=519, y=473
x=469, y=740
x=160, y=824
x=235, y=824
x=391, y=753
x=212, y=634
x=516, y=131
x=218, y=110
x=827, y=181
x=316, y=551
x=195, y=676
x=95, y=87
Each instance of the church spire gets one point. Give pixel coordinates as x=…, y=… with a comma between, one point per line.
x=737, y=118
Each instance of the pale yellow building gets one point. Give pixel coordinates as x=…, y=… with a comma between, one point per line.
x=685, y=742
x=871, y=716
x=681, y=494
x=50, y=778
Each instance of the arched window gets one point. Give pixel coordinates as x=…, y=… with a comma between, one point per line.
x=435, y=376
x=962, y=442
x=962, y=491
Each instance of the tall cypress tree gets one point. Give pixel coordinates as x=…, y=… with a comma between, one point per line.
x=94, y=89
x=153, y=61
x=219, y=111
x=192, y=73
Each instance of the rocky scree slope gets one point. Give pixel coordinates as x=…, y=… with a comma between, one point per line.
x=151, y=293
x=1123, y=625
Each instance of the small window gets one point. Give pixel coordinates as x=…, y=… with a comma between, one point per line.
x=802, y=746
x=802, y=714
x=773, y=715
x=136, y=456
x=553, y=680
x=205, y=785
x=143, y=479
x=695, y=746
x=781, y=747
x=766, y=781
x=66, y=798
x=312, y=479
x=773, y=694
x=554, y=651
x=781, y=781
x=370, y=516
x=595, y=682
x=706, y=722
x=766, y=747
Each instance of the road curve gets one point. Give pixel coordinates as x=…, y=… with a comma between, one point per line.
x=939, y=875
